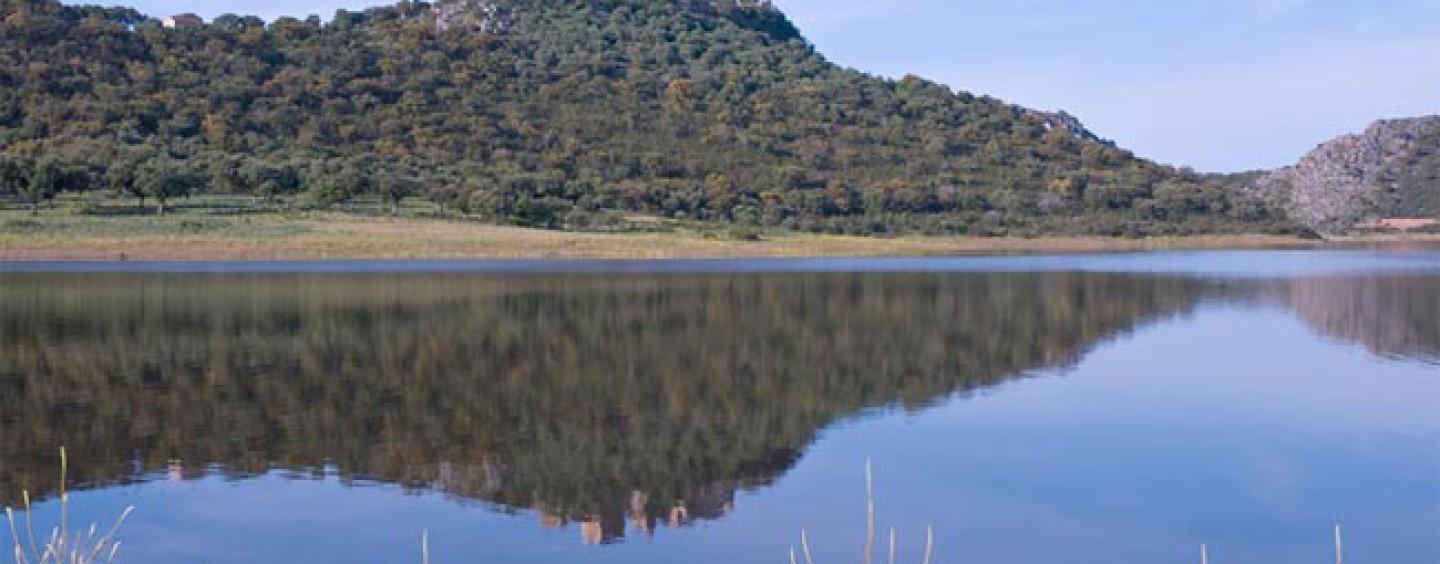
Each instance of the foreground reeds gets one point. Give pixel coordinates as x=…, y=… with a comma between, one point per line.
x=868, y=557
x=869, y=554
x=89, y=546
x=63, y=546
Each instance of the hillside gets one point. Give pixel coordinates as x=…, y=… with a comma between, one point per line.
x=561, y=114
x=1391, y=170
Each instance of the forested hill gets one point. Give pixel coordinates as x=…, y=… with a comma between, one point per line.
x=558, y=113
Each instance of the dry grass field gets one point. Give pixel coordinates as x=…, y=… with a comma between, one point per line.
x=333, y=236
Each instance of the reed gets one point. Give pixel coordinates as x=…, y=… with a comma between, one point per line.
x=1339, y=549
x=89, y=546
x=63, y=546
x=868, y=557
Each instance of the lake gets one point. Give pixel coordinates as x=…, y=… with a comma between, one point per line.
x=1120, y=408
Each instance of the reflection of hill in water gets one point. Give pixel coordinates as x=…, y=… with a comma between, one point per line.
x=563, y=394
x=1396, y=316
x=589, y=398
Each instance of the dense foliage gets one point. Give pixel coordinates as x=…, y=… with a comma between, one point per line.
x=554, y=113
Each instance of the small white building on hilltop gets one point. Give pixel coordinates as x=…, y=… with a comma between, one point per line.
x=183, y=20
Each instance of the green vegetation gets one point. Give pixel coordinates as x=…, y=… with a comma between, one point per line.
x=558, y=114
x=106, y=218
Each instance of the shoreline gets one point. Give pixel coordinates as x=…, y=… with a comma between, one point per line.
x=365, y=239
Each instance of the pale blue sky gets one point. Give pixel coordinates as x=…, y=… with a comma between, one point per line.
x=1219, y=85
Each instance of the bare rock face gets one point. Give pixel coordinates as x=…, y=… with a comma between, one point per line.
x=1383, y=172
x=1069, y=124
x=481, y=16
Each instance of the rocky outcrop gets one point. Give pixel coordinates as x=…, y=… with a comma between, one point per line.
x=475, y=15
x=1390, y=170
x=1069, y=124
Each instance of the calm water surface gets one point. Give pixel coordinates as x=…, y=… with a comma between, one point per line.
x=1104, y=408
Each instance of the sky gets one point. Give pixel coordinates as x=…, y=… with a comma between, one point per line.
x=1216, y=85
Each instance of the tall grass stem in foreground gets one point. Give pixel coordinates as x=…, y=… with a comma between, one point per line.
x=1339, y=547
x=892, y=545
x=868, y=557
x=64, y=546
x=869, y=513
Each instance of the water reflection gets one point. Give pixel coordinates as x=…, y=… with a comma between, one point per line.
x=1396, y=316
x=620, y=403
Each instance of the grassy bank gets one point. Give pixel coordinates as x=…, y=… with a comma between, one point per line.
x=336, y=237
x=206, y=231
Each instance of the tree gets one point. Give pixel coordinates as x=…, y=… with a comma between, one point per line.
x=271, y=182
x=120, y=178
x=282, y=180
x=332, y=188
x=229, y=22
x=163, y=179
x=44, y=184
x=540, y=212
x=443, y=196
x=395, y=188
x=487, y=204
x=14, y=173
x=649, y=106
x=226, y=177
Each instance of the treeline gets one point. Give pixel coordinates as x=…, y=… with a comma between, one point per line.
x=534, y=200
x=36, y=181
x=551, y=113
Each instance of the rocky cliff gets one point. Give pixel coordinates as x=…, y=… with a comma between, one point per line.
x=1392, y=170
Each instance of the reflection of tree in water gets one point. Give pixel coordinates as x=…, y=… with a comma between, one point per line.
x=593, y=399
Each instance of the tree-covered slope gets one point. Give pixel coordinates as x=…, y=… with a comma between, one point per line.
x=555, y=112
